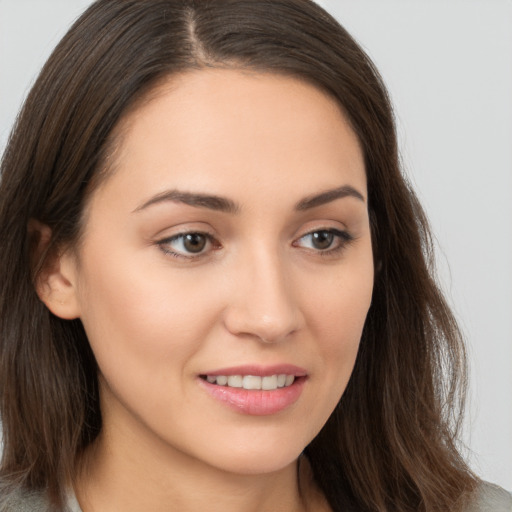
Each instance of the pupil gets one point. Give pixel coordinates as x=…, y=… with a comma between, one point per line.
x=194, y=242
x=322, y=239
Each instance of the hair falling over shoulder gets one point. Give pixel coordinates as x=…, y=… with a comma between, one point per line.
x=391, y=443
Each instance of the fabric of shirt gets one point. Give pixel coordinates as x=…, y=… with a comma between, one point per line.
x=490, y=498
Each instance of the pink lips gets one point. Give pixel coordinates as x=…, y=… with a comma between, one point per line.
x=257, y=402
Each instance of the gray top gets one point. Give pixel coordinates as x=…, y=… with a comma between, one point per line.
x=490, y=498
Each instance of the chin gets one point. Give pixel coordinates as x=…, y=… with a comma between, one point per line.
x=257, y=458
x=255, y=464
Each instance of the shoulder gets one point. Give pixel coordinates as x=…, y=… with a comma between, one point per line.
x=22, y=501
x=491, y=498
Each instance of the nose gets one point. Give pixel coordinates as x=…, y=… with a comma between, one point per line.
x=263, y=304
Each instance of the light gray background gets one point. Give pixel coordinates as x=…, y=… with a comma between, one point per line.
x=448, y=65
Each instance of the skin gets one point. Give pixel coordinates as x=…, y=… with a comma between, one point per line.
x=261, y=292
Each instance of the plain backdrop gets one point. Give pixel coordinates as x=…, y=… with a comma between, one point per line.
x=448, y=66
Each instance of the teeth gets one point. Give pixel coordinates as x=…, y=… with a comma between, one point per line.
x=251, y=382
x=289, y=380
x=235, y=381
x=267, y=383
x=221, y=380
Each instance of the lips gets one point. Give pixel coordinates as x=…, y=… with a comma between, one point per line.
x=255, y=390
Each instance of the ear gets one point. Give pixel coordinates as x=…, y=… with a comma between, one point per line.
x=56, y=278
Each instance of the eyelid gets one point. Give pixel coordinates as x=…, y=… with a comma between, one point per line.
x=163, y=244
x=343, y=236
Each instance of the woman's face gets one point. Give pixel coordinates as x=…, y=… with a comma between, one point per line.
x=230, y=247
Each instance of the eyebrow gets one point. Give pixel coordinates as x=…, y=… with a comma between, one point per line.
x=212, y=202
x=223, y=204
x=328, y=196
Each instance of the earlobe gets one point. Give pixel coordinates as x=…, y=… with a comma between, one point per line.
x=55, y=273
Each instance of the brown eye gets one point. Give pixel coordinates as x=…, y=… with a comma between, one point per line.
x=322, y=239
x=194, y=242
x=188, y=245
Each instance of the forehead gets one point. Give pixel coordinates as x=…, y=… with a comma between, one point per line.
x=222, y=128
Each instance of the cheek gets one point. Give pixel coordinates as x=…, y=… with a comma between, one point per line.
x=339, y=309
x=140, y=317
x=337, y=318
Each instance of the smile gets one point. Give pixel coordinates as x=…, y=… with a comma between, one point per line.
x=255, y=390
x=252, y=382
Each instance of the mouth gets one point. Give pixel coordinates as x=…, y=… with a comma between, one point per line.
x=252, y=382
x=255, y=390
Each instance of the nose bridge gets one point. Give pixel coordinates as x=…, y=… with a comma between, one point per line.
x=264, y=305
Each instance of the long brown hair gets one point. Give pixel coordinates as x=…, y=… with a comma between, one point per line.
x=390, y=444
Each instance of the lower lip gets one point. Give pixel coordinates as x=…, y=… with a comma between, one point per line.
x=256, y=402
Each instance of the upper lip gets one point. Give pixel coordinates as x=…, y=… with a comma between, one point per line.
x=259, y=370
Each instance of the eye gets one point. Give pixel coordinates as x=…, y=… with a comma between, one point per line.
x=187, y=245
x=324, y=240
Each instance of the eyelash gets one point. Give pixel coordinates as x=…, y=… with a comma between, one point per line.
x=344, y=238
x=165, y=244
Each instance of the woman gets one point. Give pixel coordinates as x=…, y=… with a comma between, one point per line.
x=223, y=298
